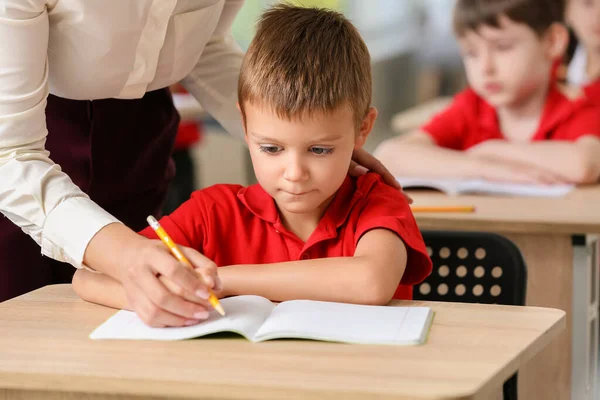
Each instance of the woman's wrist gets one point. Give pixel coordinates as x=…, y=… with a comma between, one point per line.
x=111, y=249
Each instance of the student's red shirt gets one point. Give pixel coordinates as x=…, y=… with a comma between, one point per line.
x=470, y=120
x=592, y=91
x=232, y=224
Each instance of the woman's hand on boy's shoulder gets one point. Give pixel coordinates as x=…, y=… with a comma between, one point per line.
x=363, y=162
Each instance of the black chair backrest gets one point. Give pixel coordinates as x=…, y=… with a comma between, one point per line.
x=475, y=267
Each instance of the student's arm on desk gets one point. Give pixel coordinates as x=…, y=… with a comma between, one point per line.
x=371, y=276
x=416, y=154
x=577, y=162
x=100, y=289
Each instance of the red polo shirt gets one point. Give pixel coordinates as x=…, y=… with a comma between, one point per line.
x=232, y=224
x=470, y=120
x=592, y=91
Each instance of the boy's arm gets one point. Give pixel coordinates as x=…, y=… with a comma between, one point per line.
x=416, y=154
x=577, y=162
x=435, y=150
x=371, y=276
x=100, y=289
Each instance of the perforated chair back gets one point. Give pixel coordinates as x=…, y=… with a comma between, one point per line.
x=475, y=267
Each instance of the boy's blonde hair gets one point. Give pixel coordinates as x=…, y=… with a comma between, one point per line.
x=306, y=60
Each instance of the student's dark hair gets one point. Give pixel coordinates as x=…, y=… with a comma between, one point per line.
x=539, y=15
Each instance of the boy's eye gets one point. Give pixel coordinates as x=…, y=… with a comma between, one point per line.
x=270, y=149
x=321, y=150
x=504, y=46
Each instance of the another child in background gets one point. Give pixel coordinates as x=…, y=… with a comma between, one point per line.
x=307, y=230
x=583, y=16
x=514, y=123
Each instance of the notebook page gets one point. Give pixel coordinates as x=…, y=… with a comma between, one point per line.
x=515, y=189
x=346, y=323
x=449, y=186
x=244, y=315
x=458, y=186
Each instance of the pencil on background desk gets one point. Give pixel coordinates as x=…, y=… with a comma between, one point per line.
x=442, y=209
x=164, y=236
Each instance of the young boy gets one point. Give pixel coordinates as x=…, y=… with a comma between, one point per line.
x=514, y=123
x=307, y=230
x=584, y=69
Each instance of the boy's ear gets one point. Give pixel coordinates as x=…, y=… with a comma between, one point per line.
x=557, y=40
x=365, y=127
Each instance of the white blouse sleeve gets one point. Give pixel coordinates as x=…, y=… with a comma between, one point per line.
x=34, y=193
x=213, y=81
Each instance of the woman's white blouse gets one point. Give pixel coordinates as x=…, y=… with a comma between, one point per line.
x=97, y=49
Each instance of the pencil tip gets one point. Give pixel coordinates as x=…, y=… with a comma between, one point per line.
x=220, y=309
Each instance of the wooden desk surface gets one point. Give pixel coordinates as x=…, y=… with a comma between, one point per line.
x=576, y=213
x=414, y=117
x=472, y=349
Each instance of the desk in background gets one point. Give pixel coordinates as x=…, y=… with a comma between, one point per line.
x=188, y=107
x=471, y=350
x=414, y=117
x=543, y=229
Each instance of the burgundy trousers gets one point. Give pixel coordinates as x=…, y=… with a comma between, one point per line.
x=116, y=151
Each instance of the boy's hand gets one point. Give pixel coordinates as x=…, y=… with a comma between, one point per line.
x=496, y=167
x=363, y=161
x=487, y=149
x=501, y=171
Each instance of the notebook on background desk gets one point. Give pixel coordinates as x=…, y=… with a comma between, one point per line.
x=453, y=187
x=258, y=319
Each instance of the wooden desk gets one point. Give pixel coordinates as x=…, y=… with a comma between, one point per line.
x=471, y=350
x=414, y=117
x=543, y=230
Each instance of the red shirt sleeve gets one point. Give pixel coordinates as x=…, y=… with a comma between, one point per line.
x=585, y=121
x=592, y=91
x=449, y=128
x=186, y=225
x=387, y=208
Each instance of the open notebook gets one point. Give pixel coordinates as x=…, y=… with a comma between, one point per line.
x=454, y=187
x=257, y=319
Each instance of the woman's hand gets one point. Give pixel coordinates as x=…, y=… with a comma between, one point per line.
x=363, y=161
x=163, y=291
x=205, y=268
x=142, y=265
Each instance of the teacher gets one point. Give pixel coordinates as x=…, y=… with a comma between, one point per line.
x=87, y=126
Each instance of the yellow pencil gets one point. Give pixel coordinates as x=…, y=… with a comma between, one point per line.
x=164, y=236
x=464, y=209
